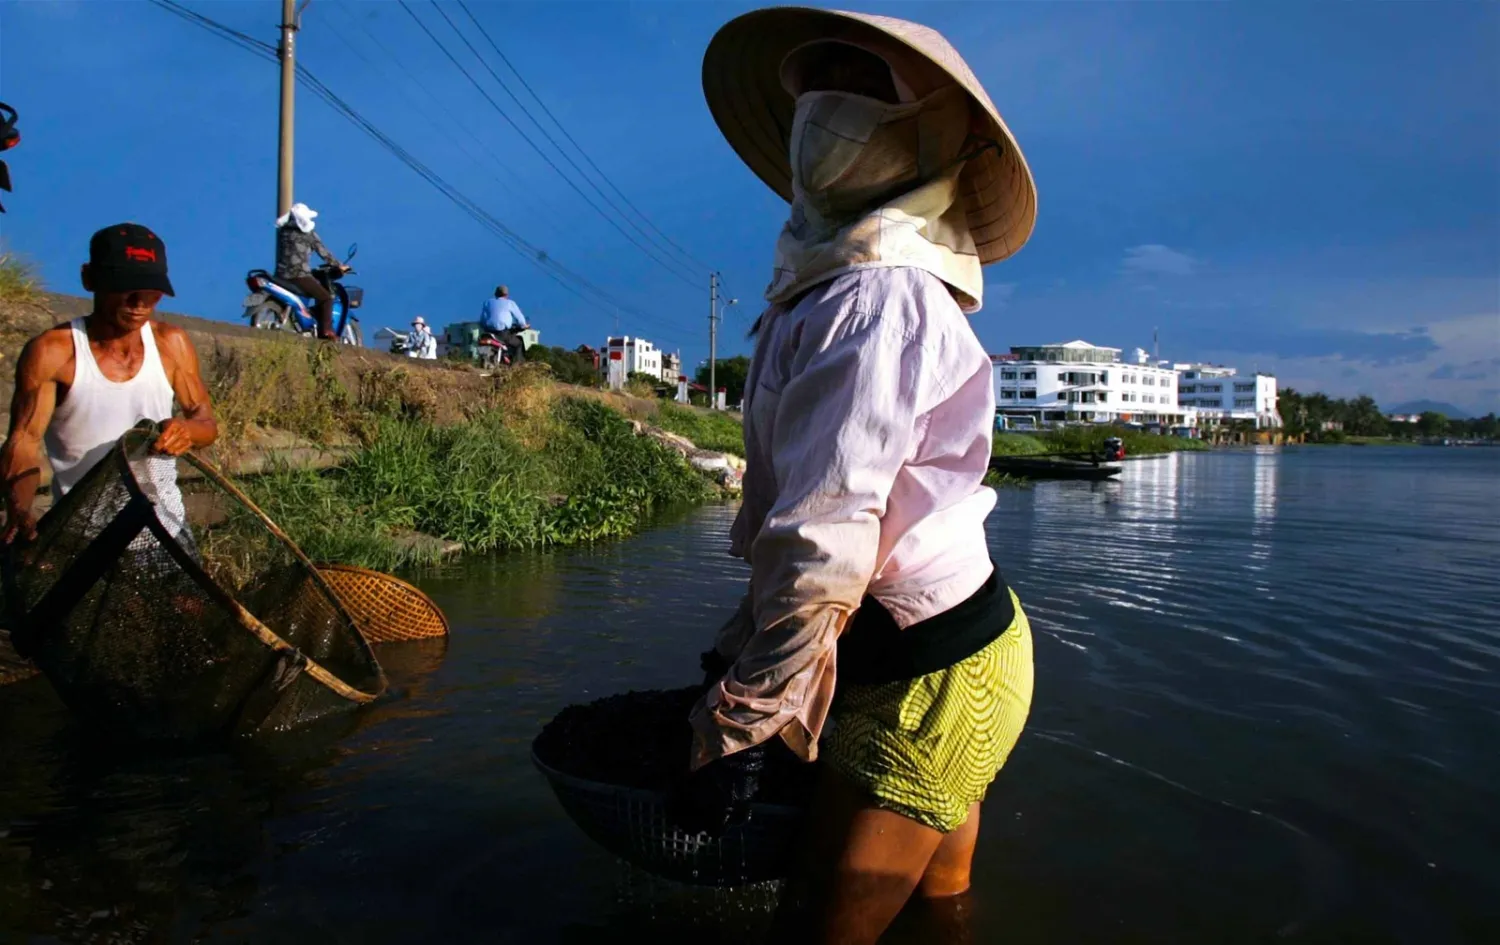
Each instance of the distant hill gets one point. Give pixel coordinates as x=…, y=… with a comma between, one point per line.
x=1424, y=406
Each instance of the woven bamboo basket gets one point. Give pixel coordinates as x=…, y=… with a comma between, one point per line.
x=386, y=609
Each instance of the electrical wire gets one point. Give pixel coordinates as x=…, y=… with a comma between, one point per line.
x=571, y=140
x=662, y=240
x=516, y=189
x=534, y=146
x=539, y=257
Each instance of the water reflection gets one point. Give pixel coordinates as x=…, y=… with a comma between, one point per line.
x=1267, y=472
x=1212, y=678
x=107, y=841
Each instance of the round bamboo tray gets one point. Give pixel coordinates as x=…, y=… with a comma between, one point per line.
x=386, y=609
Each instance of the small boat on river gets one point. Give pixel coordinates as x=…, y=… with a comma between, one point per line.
x=1045, y=467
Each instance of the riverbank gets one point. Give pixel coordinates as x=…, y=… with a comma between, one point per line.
x=371, y=459
x=1090, y=440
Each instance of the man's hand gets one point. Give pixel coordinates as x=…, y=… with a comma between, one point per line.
x=175, y=438
x=19, y=523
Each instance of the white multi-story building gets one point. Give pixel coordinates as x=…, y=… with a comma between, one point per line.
x=1079, y=382
x=1220, y=395
x=625, y=355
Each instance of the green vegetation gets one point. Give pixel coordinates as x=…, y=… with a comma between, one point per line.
x=708, y=429
x=579, y=473
x=1324, y=419
x=730, y=374
x=18, y=279
x=999, y=480
x=1090, y=440
x=643, y=386
x=1020, y=444
x=569, y=367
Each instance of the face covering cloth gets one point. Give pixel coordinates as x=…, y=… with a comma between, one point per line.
x=876, y=184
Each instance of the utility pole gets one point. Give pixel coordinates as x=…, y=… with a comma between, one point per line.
x=288, y=55
x=713, y=338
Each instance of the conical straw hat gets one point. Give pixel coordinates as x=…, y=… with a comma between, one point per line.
x=742, y=82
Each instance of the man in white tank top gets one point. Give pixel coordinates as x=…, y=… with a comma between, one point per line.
x=82, y=384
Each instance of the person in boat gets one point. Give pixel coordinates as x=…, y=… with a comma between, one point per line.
x=877, y=636
x=82, y=384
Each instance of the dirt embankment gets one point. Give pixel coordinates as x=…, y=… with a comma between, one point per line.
x=283, y=398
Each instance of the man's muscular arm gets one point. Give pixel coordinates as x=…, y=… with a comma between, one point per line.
x=196, y=427
x=31, y=409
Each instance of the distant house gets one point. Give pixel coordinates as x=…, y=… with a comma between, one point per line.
x=1404, y=417
x=627, y=355
x=1331, y=426
x=1077, y=382
x=1221, y=394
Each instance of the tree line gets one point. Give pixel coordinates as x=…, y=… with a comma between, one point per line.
x=1324, y=418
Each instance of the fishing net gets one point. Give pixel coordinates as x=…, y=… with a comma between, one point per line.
x=113, y=603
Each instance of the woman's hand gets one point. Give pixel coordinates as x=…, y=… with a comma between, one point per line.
x=714, y=666
x=718, y=795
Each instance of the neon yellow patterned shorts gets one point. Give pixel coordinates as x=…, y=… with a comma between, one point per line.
x=928, y=748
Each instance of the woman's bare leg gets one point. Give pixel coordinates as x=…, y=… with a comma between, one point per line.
x=861, y=866
x=948, y=872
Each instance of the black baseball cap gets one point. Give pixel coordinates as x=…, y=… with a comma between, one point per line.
x=127, y=257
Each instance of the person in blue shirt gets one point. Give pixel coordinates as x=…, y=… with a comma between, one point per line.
x=503, y=318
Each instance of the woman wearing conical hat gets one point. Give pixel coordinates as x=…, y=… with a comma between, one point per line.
x=876, y=636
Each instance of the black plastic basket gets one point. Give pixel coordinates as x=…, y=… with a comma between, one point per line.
x=632, y=824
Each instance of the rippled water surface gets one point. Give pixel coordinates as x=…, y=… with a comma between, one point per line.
x=1266, y=711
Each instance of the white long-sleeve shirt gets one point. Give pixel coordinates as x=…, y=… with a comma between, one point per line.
x=869, y=412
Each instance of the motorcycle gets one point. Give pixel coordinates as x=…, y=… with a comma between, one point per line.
x=400, y=341
x=280, y=306
x=495, y=353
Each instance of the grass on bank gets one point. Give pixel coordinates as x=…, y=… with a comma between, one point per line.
x=1090, y=440
x=578, y=474
x=709, y=430
x=18, y=279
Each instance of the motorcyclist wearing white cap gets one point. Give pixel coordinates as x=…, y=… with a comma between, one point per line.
x=295, y=244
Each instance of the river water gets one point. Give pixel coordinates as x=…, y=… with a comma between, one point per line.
x=1266, y=710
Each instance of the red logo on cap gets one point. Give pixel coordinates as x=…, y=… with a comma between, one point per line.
x=140, y=254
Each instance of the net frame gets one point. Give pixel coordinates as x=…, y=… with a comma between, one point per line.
x=141, y=513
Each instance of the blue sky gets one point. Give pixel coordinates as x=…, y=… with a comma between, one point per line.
x=1311, y=189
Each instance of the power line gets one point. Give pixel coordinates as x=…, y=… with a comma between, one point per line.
x=516, y=189
x=669, y=242
x=542, y=154
x=602, y=176
x=538, y=256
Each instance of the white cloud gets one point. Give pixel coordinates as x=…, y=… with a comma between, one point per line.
x=1156, y=259
x=1459, y=344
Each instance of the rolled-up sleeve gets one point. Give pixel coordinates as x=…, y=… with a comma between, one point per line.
x=846, y=422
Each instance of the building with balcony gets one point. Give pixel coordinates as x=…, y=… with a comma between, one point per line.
x=1222, y=395
x=671, y=367
x=1077, y=382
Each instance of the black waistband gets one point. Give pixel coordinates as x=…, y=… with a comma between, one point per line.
x=873, y=649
